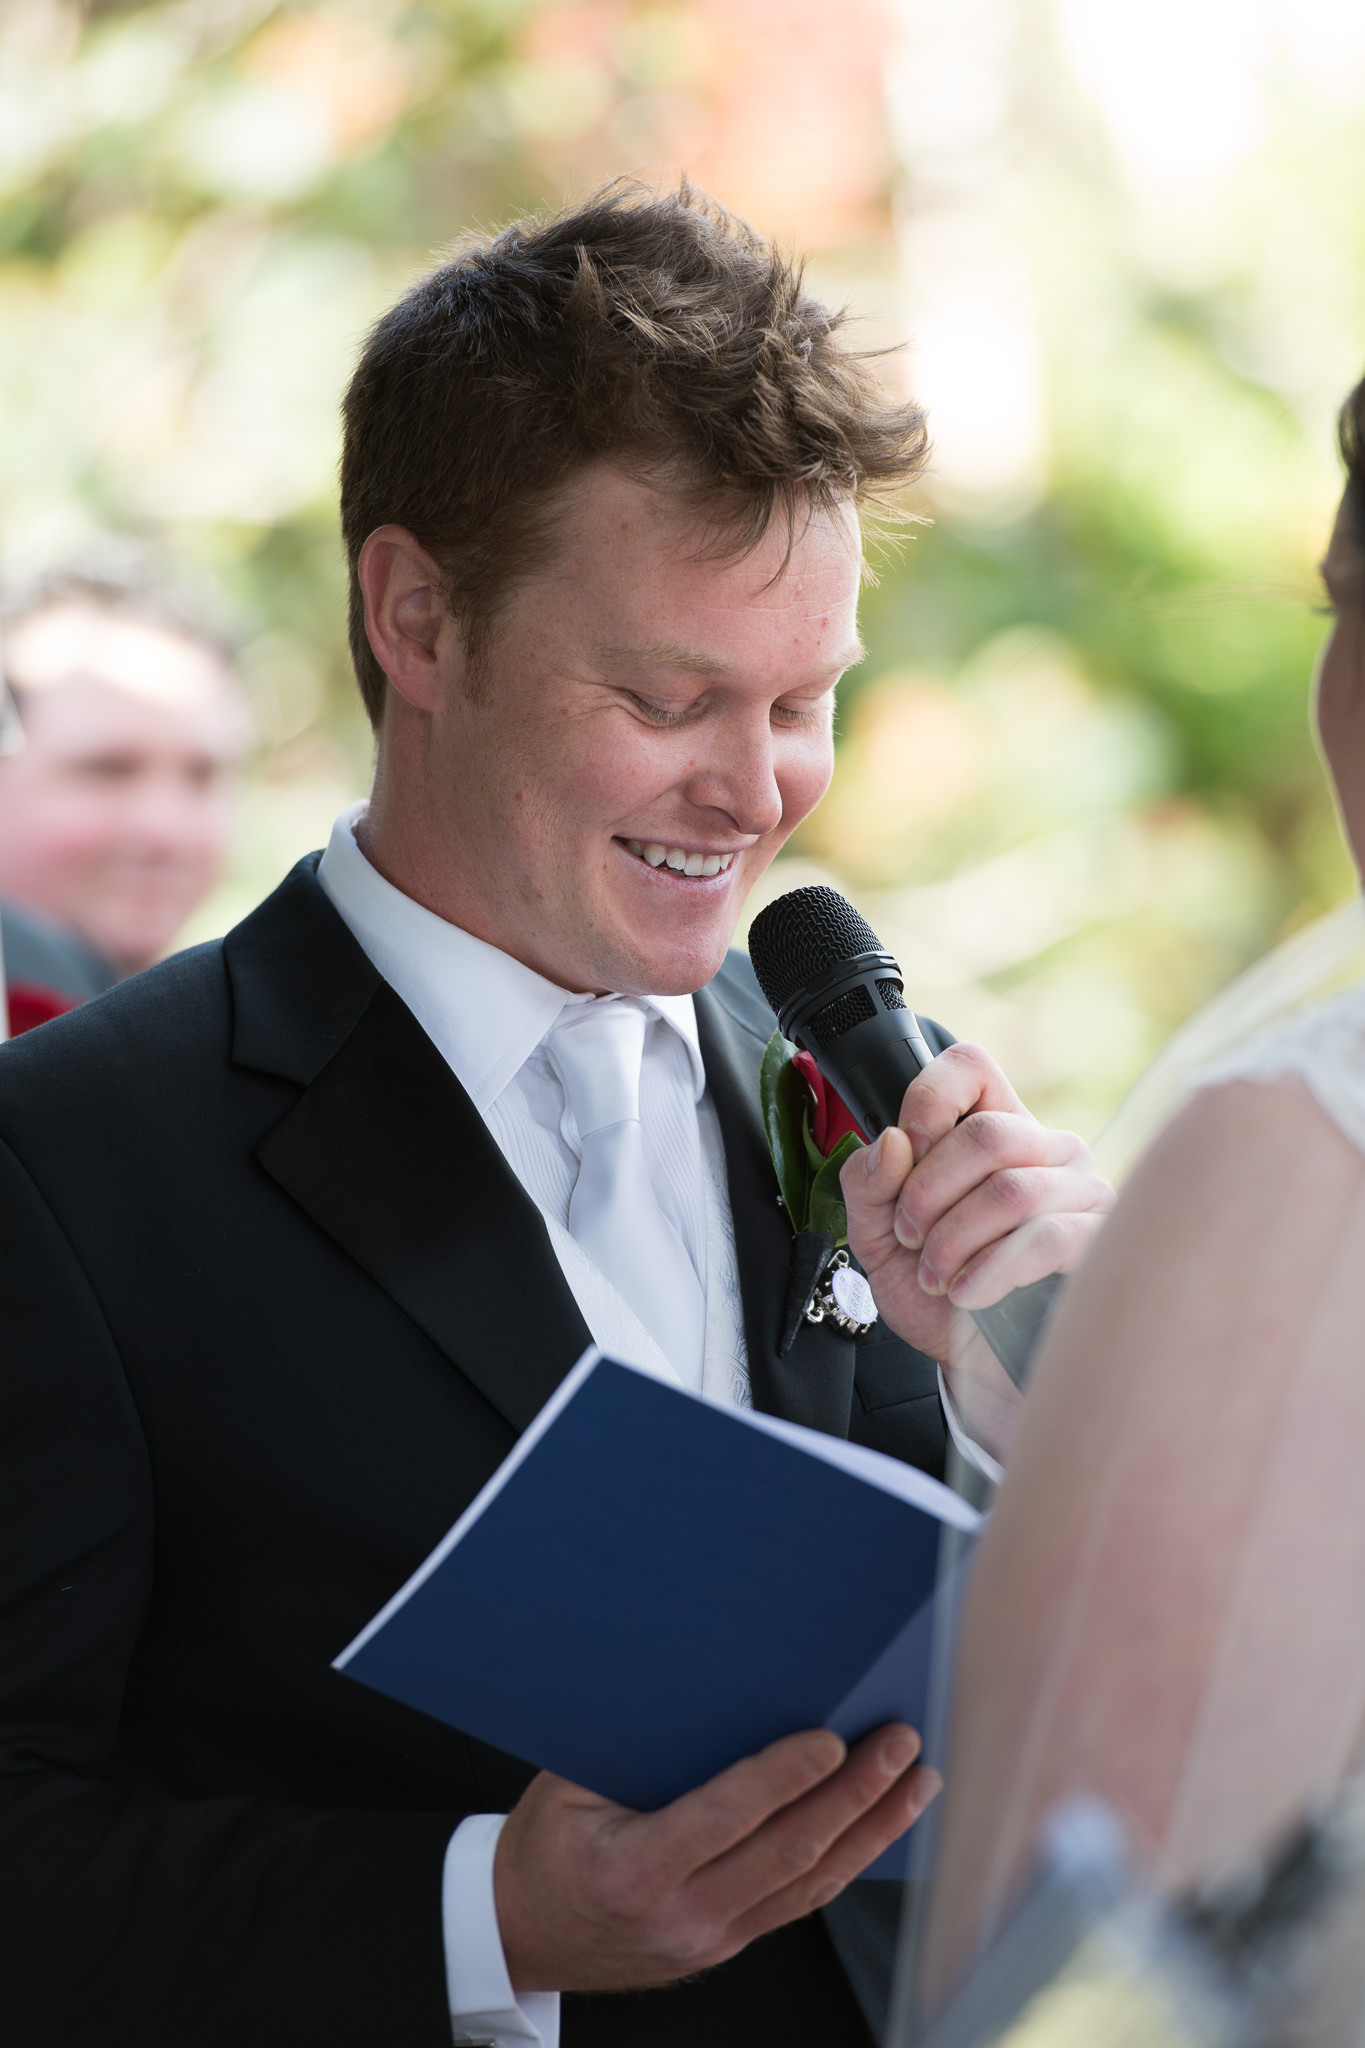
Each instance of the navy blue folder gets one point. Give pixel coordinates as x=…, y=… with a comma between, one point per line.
x=651, y=1587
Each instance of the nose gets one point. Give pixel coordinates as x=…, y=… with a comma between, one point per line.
x=739, y=776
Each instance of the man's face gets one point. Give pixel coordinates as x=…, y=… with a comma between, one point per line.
x=646, y=729
x=115, y=814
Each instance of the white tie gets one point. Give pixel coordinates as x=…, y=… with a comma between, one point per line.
x=596, y=1048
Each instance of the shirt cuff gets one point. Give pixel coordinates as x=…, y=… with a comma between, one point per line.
x=981, y=1461
x=483, y=2006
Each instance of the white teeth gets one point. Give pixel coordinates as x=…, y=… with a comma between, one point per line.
x=678, y=858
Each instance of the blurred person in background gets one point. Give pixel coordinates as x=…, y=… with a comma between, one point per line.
x=117, y=808
x=47, y=965
x=1168, y=1608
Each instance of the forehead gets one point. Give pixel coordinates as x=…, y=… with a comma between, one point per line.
x=633, y=549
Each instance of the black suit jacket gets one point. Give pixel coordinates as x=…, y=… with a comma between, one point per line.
x=274, y=1308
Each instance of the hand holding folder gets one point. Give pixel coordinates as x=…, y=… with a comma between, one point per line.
x=701, y=1583
x=593, y=1896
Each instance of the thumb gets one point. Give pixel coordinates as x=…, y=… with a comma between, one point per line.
x=874, y=1176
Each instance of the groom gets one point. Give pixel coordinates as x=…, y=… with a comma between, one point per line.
x=300, y=1230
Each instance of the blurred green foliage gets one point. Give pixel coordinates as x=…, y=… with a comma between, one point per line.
x=1083, y=713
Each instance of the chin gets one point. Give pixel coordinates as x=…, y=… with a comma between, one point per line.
x=666, y=970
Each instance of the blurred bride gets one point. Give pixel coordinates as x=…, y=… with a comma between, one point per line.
x=1168, y=1607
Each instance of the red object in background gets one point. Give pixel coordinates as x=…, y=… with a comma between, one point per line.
x=29, y=1004
x=832, y=1119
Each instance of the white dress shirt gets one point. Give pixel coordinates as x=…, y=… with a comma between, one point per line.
x=489, y=1017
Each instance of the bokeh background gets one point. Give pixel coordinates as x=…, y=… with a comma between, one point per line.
x=1124, y=249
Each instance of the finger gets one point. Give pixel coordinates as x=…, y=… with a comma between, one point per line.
x=1049, y=1244
x=960, y=1081
x=709, y=1821
x=857, y=1848
x=796, y=1839
x=871, y=1180
x=1006, y=1202
x=987, y=1144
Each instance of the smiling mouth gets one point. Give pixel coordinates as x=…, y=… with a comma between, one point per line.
x=678, y=858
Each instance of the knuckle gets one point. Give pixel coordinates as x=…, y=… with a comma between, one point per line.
x=1014, y=1191
x=1058, y=1238
x=986, y=1132
x=798, y=1851
x=1082, y=1232
x=697, y=1944
x=724, y=1817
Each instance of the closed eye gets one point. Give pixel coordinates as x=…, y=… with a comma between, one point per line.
x=660, y=714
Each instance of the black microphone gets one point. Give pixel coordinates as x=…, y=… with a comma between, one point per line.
x=840, y=995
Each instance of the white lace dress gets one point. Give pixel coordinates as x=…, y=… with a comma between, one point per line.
x=1324, y=1047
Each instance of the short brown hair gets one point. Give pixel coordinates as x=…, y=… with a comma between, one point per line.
x=653, y=329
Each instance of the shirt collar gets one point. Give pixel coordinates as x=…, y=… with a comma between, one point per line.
x=485, y=1012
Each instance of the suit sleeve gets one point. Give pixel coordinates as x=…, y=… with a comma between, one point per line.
x=128, y=1918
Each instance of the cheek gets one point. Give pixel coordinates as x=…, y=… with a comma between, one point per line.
x=75, y=825
x=624, y=769
x=803, y=776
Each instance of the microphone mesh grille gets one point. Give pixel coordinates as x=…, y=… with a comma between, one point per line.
x=803, y=934
x=855, y=1006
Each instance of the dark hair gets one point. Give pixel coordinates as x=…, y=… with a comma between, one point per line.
x=1351, y=440
x=655, y=330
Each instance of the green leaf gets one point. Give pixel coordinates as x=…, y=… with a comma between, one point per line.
x=814, y=1155
x=781, y=1091
x=827, y=1197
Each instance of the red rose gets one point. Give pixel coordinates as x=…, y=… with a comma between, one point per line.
x=830, y=1118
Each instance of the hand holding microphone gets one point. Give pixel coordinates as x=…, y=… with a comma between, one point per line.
x=965, y=1201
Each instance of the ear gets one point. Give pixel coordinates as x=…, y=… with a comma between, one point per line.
x=415, y=639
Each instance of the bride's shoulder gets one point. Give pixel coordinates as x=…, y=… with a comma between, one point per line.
x=1322, y=1047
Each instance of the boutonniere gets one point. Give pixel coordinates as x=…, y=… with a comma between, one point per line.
x=810, y=1134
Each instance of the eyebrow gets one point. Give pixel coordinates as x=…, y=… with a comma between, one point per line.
x=670, y=654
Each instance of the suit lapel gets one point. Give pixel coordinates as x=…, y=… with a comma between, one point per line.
x=387, y=1154
x=813, y=1384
